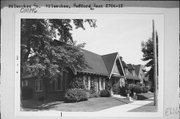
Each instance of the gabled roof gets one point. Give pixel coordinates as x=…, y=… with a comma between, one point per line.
x=130, y=66
x=124, y=64
x=101, y=65
x=95, y=62
x=137, y=69
x=109, y=60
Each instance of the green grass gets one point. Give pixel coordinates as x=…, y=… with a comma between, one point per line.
x=146, y=108
x=145, y=96
x=91, y=105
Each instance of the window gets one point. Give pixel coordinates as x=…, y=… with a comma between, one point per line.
x=58, y=83
x=24, y=83
x=126, y=70
x=39, y=85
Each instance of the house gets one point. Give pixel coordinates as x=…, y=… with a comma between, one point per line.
x=133, y=73
x=103, y=72
x=140, y=72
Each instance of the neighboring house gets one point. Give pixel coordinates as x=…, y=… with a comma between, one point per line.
x=133, y=73
x=104, y=71
x=140, y=72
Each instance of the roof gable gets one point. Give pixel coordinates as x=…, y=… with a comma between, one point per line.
x=95, y=62
x=137, y=69
x=109, y=60
x=115, y=69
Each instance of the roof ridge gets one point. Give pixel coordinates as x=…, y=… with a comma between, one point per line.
x=109, y=54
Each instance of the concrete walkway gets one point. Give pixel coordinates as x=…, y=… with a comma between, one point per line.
x=126, y=107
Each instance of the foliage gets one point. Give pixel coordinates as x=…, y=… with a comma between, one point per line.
x=92, y=93
x=116, y=89
x=137, y=88
x=77, y=83
x=122, y=91
x=148, y=56
x=27, y=92
x=105, y=93
x=145, y=89
x=47, y=47
x=76, y=95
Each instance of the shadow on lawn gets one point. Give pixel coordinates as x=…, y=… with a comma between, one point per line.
x=124, y=100
x=39, y=105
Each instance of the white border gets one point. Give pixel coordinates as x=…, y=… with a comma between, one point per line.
x=87, y=114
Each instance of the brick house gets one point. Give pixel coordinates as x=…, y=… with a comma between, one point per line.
x=103, y=70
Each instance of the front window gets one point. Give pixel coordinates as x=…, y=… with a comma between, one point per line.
x=39, y=85
x=24, y=83
x=58, y=83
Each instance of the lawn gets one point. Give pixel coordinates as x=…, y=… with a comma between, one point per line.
x=91, y=105
x=146, y=108
x=145, y=96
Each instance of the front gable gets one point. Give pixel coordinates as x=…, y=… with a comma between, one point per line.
x=114, y=66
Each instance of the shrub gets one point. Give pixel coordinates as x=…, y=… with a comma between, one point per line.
x=145, y=89
x=76, y=95
x=27, y=92
x=127, y=91
x=77, y=83
x=122, y=91
x=105, y=93
x=141, y=97
x=116, y=89
x=137, y=89
x=92, y=93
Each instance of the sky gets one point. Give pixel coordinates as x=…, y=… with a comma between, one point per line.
x=119, y=34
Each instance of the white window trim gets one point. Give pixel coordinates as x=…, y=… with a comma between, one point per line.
x=56, y=83
x=37, y=85
x=25, y=83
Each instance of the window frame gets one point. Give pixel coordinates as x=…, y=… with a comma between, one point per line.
x=39, y=85
x=24, y=83
x=56, y=83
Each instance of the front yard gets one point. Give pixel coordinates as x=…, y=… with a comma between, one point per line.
x=91, y=105
x=146, y=108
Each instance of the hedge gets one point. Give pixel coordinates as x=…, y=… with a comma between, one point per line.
x=105, y=93
x=76, y=95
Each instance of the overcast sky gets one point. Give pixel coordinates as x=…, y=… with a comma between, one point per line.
x=119, y=34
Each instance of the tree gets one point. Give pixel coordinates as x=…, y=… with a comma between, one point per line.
x=150, y=54
x=47, y=47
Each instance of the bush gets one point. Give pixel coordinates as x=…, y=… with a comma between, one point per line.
x=76, y=95
x=122, y=91
x=145, y=89
x=116, y=89
x=77, y=83
x=141, y=97
x=92, y=93
x=137, y=89
x=27, y=92
x=105, y=93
